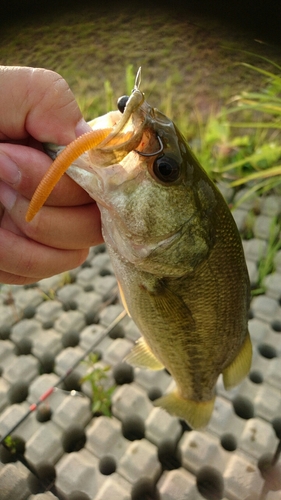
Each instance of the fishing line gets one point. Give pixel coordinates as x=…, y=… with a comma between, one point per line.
x=51, y=389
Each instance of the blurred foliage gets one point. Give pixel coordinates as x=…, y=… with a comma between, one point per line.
x=97, y=376
x=241, y=143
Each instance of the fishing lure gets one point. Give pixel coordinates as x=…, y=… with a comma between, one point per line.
x=87, y=141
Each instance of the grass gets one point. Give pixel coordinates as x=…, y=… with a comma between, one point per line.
x=97, y=376
x=241, y=143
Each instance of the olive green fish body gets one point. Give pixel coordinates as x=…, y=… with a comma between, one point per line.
x=193, y=317
x=177, y=255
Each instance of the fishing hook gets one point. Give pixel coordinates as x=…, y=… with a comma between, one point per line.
x=137, y=79
x=136, y=87
x=152, y=154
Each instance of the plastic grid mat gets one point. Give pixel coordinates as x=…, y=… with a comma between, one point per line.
x=63, y=451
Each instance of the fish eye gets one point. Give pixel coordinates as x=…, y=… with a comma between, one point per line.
x=166, y=169
x=121, y=103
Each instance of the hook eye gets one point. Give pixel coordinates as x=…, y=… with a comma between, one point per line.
x=152, y=154
x=121, y=103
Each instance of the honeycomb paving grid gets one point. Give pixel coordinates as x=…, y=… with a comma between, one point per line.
x=141, y=452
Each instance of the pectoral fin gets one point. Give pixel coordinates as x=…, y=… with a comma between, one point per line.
x=196, y=413
x=142, y=357
x=161, y=304
x=240, y=366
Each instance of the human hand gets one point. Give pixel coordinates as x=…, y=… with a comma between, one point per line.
x=37, y=106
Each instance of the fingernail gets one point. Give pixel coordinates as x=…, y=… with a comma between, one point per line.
x=82, y=127
x=7, y=196
x=9, y=171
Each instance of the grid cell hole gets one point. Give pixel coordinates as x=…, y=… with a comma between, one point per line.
x=276, y=424
x=69, y=305
x=243, y=407
x=86, y=265
x=18, y=392
x=123, y=374
x=210, y=483
x=276, y=325
x=43, y=413
x=154, y=393
x=72, y=382
x=168, y=456
x=24, y=346
x=145, y=490
x=228, y=442
x=29, y=312
x=107, y=466
x=14, y=446
x=47, y=363
x=46, y=471
x=5, y=332
x=133, y=428
x=184, y=425
x=47, y=325
x=256, y=377
x=70, y=339
x=105, y=272
x=100, y=249
x=267, y=351
x=117, y=332
x=73, y=439
x=91, y=317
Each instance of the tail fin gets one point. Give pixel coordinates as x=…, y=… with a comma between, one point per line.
x=196, y=413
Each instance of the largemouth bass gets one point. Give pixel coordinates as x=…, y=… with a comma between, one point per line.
x=175, y=249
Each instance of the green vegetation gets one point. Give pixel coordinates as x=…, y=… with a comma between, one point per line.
x=96, y=376
x=261, y=167
x=14, y=444
x=241, y=143
x=230, y=112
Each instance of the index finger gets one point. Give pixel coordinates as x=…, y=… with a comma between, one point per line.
x=39, y=103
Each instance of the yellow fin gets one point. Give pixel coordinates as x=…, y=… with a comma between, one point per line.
x=196, y=413
x=240, y=366
x=142, y=357
x=123, y=299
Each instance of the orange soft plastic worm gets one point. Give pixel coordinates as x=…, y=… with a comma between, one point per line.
x=72, y=151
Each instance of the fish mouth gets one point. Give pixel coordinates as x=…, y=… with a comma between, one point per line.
x=127, y=129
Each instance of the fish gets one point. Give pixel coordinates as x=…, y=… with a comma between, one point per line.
x=175, y=250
